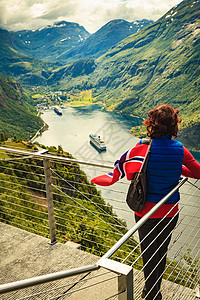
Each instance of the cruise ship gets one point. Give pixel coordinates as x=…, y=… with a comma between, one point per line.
x=58, y=110
x=97, y=142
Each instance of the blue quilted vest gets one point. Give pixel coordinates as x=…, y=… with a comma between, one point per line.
x=164, y=169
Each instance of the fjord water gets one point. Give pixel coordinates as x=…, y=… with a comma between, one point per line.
x=72, y=129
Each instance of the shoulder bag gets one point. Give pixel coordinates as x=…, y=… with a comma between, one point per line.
x=136, y=195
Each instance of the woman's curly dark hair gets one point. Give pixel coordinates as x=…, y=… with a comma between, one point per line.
x=162, y=120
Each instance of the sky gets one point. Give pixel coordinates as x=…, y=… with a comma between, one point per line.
x=92, y=14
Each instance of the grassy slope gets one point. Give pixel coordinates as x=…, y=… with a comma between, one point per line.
x=78, y=204
x=17, y=116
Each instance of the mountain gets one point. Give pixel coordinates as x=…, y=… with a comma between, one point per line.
x=22, y=51
x=26, y=69
x=159, y=64
x=69, y=41
x=50, y=42
x=9, y=56
x=19, y=50
x=105, y=38
x=17, y=116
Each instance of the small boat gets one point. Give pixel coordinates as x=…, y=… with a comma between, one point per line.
x=58, y=110
x=97, y=142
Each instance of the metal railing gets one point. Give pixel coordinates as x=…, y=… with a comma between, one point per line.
x=39, y=191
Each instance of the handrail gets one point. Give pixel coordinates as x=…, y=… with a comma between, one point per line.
x=112, y=250
x=53, y=157
x=21, y=284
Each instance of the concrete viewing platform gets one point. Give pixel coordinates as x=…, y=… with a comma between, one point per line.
x=24, y=255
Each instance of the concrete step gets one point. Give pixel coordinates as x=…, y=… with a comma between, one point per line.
x=24, y=255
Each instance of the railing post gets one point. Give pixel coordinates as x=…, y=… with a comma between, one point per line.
x=125, y=286
x=49, y=193
x=125, y=279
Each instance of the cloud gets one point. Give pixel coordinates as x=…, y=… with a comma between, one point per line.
x=92, y=14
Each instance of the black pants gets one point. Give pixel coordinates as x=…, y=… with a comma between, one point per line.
x=154, y=258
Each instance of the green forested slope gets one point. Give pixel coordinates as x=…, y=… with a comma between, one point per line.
x=81, y=213
x=17, y=117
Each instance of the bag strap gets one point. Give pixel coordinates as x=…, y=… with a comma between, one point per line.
x=146, y=158
x=144, y=164
x=146, y=142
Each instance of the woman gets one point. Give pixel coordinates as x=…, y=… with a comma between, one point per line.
x=168, y=160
